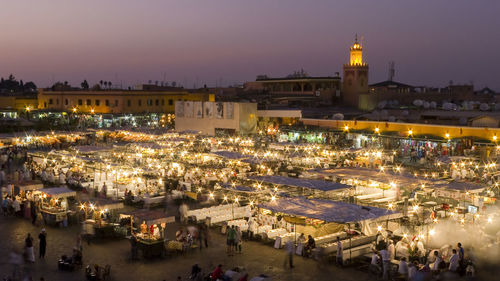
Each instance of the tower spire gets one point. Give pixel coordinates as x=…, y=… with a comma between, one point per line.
x=356, y=38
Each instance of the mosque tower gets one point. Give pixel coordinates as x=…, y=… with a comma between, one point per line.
x=355, y=80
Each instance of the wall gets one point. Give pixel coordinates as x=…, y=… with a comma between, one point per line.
x=243, y=118
x=116, y=101
x=404, y=128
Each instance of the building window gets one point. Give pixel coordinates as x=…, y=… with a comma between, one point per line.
x=157, y=102
x=89, y=102
x=45, y=104
x=66, y=102
x=129, y=103
x=162, y=102
x=170, y=102
x=139, y=102
x=116, y=102
x=50, y=101
x=97, y=102
x=80, y=102
x=106, y=102
x=150, y=102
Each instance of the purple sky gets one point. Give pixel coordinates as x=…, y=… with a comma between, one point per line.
x=132, y=41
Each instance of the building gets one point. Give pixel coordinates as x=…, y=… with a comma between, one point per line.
x=12, y=105
x=116, y=101
x=355, y=81
x=390, y=86
x=211, y=118
x=296, y=89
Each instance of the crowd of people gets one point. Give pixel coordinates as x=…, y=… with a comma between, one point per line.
x=389, y=262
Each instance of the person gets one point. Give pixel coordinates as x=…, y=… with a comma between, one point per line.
x=231, y=233
x=179, y=235
x=251, y=227
x=391, y=250
x=43, y=243
x=453, y=261
x=237, y=239
x=289, y=247
x=133, y=246
x=311, y=244
x=16, y=206
x=386, y=263
x=461, y=255
x=30, y=252
x=217, y=273
x=179, y=278
x=203, y=235
x=196, y=273
x=403, y=268
x=183, y=212
x=340, y=252
x=437, y=263
x=412, y=270
x=244, y=277
x=300, y=245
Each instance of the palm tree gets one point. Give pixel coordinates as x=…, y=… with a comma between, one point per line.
x=101, y=82
x=105, y=84
x=109, y=84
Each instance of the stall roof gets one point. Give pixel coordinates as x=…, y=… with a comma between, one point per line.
x=297, y=182
x=329, y=211
x=151, y=216
x=240, y=188
x=461, y=186
x=105, y=203
x=30, y=185
x=58, y=192
x=230, y=154
x=365, y=174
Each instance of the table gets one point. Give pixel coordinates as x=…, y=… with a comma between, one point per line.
x=104, y=231
x=151, y=248
x=53, y=217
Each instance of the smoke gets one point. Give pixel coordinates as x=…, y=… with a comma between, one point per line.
x=479, y=237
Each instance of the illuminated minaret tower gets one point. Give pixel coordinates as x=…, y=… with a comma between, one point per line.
x=355, y=75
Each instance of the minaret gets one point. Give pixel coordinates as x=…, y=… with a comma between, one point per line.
x=355, y=76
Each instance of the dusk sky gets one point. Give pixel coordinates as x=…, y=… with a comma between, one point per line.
x=189, y=41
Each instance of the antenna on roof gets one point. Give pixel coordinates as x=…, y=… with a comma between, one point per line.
x=392, y=70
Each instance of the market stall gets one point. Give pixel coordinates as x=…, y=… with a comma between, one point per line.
x=325, y=220
x=149, y=231
x=99, y=219
x=54, y=205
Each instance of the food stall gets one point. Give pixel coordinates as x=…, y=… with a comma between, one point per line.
x=150, y=234
x=326, y=220
x=27, y=192
x=99, y=215
x=54, y=205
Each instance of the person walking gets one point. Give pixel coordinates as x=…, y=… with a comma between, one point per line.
x=340, y=252
x=231, y=234
x=386, y=264
x=290, y=250
x=30, y=251
x=237, y=240
x=43, y=243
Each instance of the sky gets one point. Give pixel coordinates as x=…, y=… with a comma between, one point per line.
x=224, y=42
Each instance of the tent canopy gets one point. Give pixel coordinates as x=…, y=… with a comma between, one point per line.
x=461, y=186
x=104, y=204
x=230, y=154
x=329, y=211
x=58, y=192
x=30, y=185
x=307, y=183
x=240, y=188
x=151, y=217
